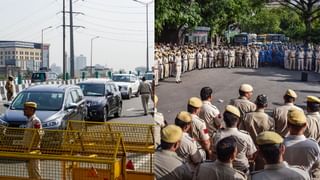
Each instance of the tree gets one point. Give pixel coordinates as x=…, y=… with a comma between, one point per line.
x=308, y=10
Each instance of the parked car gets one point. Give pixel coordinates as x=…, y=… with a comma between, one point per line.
x=56, y=105
x=43, y=76
x=103, y=99
x=128, y=84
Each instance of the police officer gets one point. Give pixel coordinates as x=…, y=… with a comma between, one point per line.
x=222, y=168
x=225, y=57
x=156, y=68
x=286, y=57
x=256, y=58
x=185, y=61
x=243, y=102
x=272, y=149
x=199, y=129
x=280, y=113
x=300, y=150
x=211, y=58
x=317, y=64
x=246, y=147
x=166, y=65
x=188, y=149
x=309, y=60
x=204, y=58
x=209, y=113
x=199, y=59
x=258, y=121
x=159, y=122
x=161, y=66
x=300, y=60
x=247, y=57
x=145, y=91
x=231, y=58
x=168, y=165
x=313, y=118
x=178, y=66
x=292, y=59
x=29, y=137
x=9, y=88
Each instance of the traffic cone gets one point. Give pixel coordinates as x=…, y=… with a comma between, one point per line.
x=130, y=165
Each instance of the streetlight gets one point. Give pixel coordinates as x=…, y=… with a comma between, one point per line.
x=42, y=45
x=91, y=54
x=146, y=4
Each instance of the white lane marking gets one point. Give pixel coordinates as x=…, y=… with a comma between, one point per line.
x=131, y=109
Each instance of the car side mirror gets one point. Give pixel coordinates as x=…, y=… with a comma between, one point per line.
x=7, y=104
x=71, y=106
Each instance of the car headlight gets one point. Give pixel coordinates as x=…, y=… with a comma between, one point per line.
x=50, y=124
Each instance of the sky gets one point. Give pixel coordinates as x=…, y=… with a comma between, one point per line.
x=120, y=25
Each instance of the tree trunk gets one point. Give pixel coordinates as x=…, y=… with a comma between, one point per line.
x=307, y=22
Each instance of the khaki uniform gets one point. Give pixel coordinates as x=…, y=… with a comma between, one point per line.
x=145, y=91
x=156, y=70
x=210, y=114
x=280, y=171
x=169, y=166
x=184, y=62
x=225, y=58
x=9, y=89
x=211, y=56
x=280, y=118
x=292, y=60
x=190, y=152
x=244, y=105
x=313, y=128
x=199, y=60
x=301, y=151
x=231, y=58
x=159, y=124
x=178, y=67
x=34, y=164
x=161, y=70
x=300, y=60
x=247, y=58
x=166, y=66
x=218, y=170
x=199, y=129
x=309, y=61
x=317, y=68
x=245, y=146
x=257, y=122
x=204, y=59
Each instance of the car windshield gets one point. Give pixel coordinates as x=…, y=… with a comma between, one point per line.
x=93, y=89
x=121, y=78
x=46, y=101
x=40, y=76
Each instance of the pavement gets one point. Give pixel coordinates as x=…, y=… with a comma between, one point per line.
x=225, y=83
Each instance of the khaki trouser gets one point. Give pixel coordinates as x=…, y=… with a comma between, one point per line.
x=178, y=73
x=300, y=64
x=145, y=101
x=166, y=70
x=34, y=169
x=231, y=62
x=292, y=63
x=308, y=64
x=317, y=69
x=247, y=61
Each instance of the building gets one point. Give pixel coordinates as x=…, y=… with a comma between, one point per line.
x=198, y=35
x=80, y=63
x=22, y=56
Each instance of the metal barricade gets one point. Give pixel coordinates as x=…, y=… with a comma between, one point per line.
x=138, y=140
x=61, y=154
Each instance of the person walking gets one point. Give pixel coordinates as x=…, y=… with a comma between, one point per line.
x=9, y=87
x=145, y=91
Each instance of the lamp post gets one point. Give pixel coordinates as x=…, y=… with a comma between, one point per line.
x=147, y=31
x=42, y=45
x=91, y=73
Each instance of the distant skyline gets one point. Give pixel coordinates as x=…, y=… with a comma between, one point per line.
x=121, y=26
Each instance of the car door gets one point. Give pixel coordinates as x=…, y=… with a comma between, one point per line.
x=77, y=99
x=71, y=113
x=82, y=104
x=117, y=95
x=110, y=98
x=135, y=86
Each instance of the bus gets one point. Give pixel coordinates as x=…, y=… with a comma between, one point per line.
x=262, y=38
x=276, y=38
x=244, y=39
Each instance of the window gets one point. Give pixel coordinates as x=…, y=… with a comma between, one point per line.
x=0, y=52
x=31, y=53
x=21, y=52
x=13, y=52
x=114, y=88
x=8, y=52
x=75, y=96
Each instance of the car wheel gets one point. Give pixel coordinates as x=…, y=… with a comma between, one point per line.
x=118, y=113
x=105, y=114
x=129, y=94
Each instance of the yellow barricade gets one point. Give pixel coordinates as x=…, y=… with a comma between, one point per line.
x=61, y=154
x=138, y=140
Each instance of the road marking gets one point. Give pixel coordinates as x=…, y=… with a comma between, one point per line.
x=131, y=109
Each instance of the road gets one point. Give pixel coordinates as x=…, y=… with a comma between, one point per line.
x=225, y=83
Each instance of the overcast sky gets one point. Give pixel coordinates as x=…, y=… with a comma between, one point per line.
x=121, y=25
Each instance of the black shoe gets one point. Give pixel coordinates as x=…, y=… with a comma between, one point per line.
x=145, y=114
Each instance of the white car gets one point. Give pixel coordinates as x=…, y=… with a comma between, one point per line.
x=128, y=84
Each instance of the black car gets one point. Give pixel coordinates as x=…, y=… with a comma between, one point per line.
x=103, y=99
x=56, y=105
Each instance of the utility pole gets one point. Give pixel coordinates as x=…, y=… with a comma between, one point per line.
x=64, y=39
x=71, y=43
